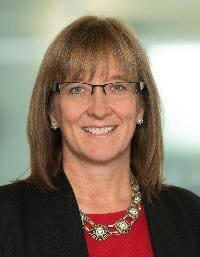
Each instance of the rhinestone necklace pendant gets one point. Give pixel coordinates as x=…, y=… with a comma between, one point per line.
x=122, y=226
x=99, y=232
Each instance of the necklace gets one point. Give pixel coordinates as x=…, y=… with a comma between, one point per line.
x=122, y=226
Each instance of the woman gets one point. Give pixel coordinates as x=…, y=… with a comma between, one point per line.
x=96, y=186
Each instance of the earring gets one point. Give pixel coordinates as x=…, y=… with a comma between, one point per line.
x=140, y=122
x=53, y=125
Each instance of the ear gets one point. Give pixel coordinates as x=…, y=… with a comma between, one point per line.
x=52, y=116
x=53, y=122
x=140, y=113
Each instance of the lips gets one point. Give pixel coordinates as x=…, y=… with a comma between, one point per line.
x=99, y=130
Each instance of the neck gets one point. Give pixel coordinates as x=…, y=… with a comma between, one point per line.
x=100, y=188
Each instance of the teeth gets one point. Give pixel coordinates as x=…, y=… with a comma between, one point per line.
x=99, y=131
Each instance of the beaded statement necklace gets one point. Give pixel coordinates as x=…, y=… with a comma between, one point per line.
x=122, y=226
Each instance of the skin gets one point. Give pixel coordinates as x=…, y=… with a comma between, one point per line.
x=98, y=166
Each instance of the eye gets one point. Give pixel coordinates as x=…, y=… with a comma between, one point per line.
x=76, y=89
x=118, y=87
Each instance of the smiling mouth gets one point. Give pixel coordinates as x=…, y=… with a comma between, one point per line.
x=99, y=131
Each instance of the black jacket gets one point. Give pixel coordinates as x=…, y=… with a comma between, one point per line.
x=36, y=224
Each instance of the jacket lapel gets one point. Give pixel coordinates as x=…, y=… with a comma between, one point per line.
x=170, y=236
x=56, y=229
x=159, y=229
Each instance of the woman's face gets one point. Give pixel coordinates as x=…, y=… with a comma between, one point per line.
x=85, y=125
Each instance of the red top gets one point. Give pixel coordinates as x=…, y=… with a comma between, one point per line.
x=134, y=244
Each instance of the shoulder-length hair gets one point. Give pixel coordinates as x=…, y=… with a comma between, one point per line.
x=74, y=52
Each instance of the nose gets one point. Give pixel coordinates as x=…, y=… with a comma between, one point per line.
x=99, y=104
x=96, y=86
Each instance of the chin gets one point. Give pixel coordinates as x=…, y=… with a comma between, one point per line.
x=105, y=156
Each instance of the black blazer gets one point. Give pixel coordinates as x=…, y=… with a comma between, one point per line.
x=38, y=224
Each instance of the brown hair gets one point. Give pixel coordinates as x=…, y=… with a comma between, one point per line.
x=75, y=51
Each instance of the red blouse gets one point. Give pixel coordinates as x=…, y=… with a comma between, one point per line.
x=134, y=244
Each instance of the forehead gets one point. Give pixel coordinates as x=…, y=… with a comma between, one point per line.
x=104, y=69
x=107, y=70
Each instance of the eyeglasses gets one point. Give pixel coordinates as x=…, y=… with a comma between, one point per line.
x=82, y=90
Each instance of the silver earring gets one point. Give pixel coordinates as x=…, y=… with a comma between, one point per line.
x=54, y=125
x=140, y=122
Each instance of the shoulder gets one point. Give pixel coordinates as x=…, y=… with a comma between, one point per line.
x=20, y=201
x=177, y=201
x=178, y=195
x=177, y=208
x=174, y=219
x=15, y=198
x=11, y=196
x=10, y=206
x=22, y=197
x=13, y=190
x=19, y=193
x=8, y=194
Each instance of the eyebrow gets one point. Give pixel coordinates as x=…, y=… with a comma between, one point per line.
x=117, y=77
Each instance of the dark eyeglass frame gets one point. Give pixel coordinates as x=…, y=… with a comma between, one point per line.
x=139, y=85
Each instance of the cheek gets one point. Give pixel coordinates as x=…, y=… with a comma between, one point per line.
x=67, y=115
x=128, y=111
